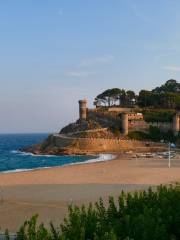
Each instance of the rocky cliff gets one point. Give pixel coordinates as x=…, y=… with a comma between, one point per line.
x=88, y=137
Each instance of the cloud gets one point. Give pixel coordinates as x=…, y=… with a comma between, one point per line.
x=172, y=68
x=106, y=59
x=76, y=73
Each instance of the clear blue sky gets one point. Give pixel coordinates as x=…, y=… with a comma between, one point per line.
x=55, y=52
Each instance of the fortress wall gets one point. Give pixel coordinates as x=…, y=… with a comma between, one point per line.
x=138, y=125
x=92, y=114
x=112, y=109
x=119, y=109
x=142, y=125
x=100, y=144
x=106, y=144
x=105, y=119
x=110, y=118
x=110, y=145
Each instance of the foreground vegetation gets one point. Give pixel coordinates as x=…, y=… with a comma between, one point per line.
x=145, y=215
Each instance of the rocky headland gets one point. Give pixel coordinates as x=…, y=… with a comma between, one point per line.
x=89, y=138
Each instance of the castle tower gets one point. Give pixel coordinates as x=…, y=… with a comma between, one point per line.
x=124, y=119
x=176, y=125
x=82, y=109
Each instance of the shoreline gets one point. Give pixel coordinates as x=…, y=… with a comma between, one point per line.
x=124, y=169
x=97, y=158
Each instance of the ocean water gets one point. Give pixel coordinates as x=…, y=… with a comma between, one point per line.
x=12, y=160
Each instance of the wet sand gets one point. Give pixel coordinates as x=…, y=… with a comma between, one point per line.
x=119, y=171
x=48, y=192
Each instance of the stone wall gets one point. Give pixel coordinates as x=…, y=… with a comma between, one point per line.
x=111, y=109
x=109, y=118
x=143, y=126
x=102, y=144
x=105, y=119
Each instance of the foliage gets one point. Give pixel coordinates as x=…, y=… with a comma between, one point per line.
x=115, y=129
x=165, y=96
x=163, y=115
x=7, y=235
x=30, y=230
x=138, y=135
x=154, y=134
x=159, y=100
x=116, y=96
x=171, y=86
x=144, y=215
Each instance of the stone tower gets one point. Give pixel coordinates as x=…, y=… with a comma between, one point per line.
x=124, y=119
x=176, y=125
x=82, y=109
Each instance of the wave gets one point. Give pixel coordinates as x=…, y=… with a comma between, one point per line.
x=25, y=169
x=15, y=151
x=31, y=154
x=100, y=158
x=17, y=170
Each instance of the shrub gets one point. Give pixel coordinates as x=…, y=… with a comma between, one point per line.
x=154, y=134
x=115, y=130
x=138, y=135
x=164, y=115
x=143, y=215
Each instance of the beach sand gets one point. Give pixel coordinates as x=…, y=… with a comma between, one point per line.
x=48, y=192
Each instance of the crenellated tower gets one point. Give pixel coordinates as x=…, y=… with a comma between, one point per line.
x=82, y=109
x=124, y=122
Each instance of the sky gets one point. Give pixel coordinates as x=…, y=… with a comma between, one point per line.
x=55, y=52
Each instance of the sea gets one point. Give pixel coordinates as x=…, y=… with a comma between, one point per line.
x=14, y=160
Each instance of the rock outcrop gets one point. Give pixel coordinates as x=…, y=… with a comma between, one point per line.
x=88, y=137
x=80, y=126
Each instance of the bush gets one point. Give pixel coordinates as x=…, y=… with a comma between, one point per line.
x=159, y=116
x=138, y=135
x=115, y=130
x=143, y=215
x=154, y=134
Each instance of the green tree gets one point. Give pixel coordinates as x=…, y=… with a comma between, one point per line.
x=130, y=96
x=171, y=86
x=145, y=98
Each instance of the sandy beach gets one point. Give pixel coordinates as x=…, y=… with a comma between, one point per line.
x=48, y=192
